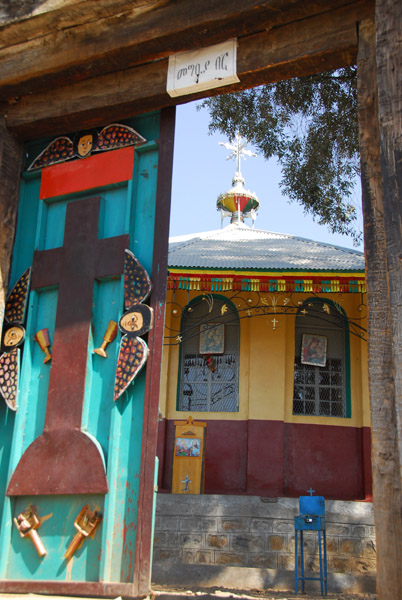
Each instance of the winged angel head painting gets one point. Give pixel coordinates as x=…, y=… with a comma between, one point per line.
x=85, y=143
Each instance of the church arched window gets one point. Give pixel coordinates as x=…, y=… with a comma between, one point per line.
x=209, y=357
x=322, y=364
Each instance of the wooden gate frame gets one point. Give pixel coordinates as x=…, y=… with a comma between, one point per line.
x=122, y=73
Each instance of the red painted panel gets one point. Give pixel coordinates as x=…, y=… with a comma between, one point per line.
x=226, y=457
x=265, y=458
x=167, y=461
x=161, y=454
x=278, y=459
x=87, y=173
x=326, y=458
x=368, y=475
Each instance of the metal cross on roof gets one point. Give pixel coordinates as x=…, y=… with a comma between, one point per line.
x=238, y=148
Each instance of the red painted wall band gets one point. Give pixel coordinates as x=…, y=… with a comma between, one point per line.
x=273, y=459
x=83, y=174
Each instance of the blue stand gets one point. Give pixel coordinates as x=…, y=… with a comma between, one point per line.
x=311, y=518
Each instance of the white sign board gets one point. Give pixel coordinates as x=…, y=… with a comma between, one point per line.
x=204, y=69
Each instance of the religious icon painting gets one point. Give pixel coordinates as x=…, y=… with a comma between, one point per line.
x=85, y=143
x=314, y=350
x=212, y=338
x=188, y=447
x=14, y=335
x=136, y=321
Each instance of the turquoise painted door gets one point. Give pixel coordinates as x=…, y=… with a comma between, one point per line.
x=115, y=428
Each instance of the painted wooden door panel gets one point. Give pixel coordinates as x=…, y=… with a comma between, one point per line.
x=125, y=208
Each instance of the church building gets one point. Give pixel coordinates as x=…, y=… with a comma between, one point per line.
x=266, y=344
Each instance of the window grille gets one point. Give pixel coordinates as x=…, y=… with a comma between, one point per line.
x=209, y=382
x=320, y=390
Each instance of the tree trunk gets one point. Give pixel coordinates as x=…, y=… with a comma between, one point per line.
x=389, y=74
x=382, y=232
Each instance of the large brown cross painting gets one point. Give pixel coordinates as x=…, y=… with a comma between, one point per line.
x=64, y=459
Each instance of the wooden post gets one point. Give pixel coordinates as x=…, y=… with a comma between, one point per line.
x=389, y=77
x=389, y=65
x=382, y=223
x=144, y=541
x=10, y=167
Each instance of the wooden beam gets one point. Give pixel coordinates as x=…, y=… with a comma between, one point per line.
x=321, y=43
x=26, y=19
x=10, y=167
x=65, y=52
x=58, y=588
x=56, y=45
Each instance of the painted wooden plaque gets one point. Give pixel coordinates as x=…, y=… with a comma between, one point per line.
x=188, y=459
x=70, y=445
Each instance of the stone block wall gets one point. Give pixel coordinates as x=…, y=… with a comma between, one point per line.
x=258, y=533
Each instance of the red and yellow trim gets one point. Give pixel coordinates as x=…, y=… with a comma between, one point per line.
x=276, y=282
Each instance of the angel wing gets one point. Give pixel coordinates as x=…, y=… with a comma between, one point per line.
x=133, y=354
x=137, y=284
x=59, y=150
x=14, y=311
x=9, y=370
x=116, y=135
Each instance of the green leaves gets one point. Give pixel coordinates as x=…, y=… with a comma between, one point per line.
x=310, y=125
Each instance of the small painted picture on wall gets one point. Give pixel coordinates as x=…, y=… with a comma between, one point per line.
x=189, y=447
x=314, y=350
x=212, y=338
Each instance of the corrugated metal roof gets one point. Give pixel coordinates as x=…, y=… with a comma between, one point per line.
x=237, y=246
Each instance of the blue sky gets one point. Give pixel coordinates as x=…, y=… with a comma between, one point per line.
x=201, y=172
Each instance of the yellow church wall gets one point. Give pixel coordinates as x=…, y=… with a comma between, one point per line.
x=167, y=359
x=267, y=366
x=365, y=384
x=267, y=378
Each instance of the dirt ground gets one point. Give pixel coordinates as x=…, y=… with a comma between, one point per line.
x=167, y=593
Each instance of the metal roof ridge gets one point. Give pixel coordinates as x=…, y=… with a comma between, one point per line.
x=327, y=245
x=307, y=240
x=202, y=235
x=236, y=226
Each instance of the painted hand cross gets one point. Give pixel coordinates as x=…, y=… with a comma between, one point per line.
x=64, y=459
